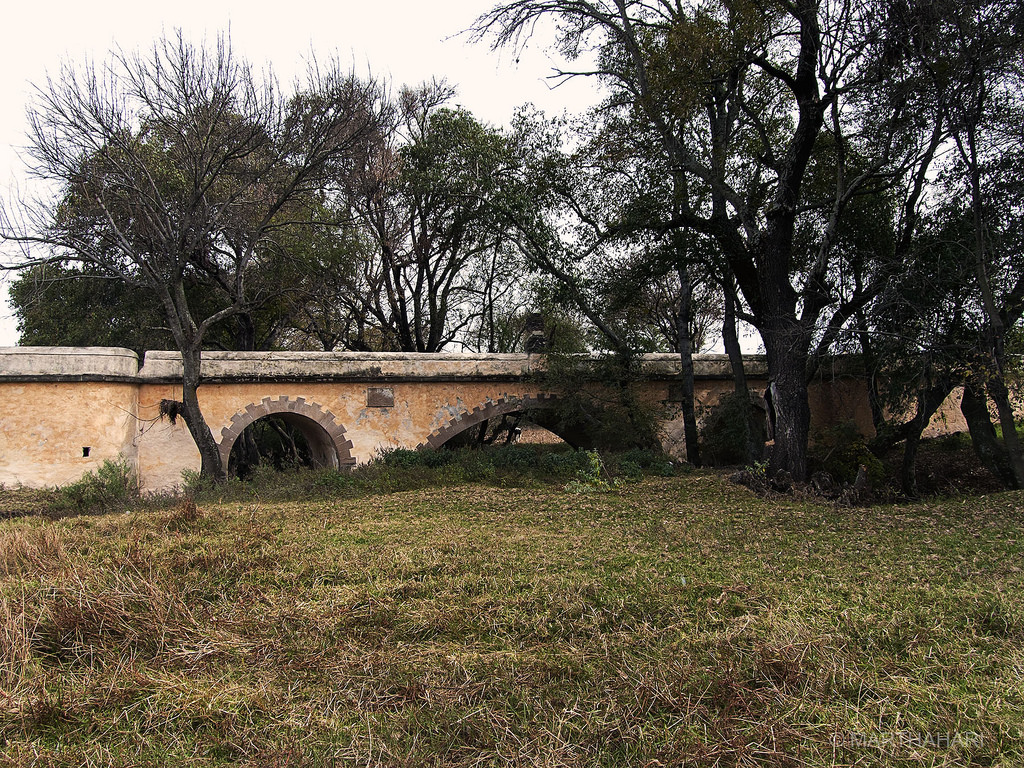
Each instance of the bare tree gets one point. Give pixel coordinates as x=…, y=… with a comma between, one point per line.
x=181, y=165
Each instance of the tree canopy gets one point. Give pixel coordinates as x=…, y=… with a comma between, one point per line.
x=776, y=123
x=180, y=167
x=844, y=176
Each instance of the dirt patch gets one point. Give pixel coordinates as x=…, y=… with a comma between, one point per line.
x=946, y=466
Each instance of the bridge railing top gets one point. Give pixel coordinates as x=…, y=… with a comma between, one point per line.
x=372, y=366
x=339, y=365
x=116, y=364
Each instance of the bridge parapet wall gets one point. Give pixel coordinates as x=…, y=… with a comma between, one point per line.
x=68, y=364
x=397, y=366
x=118, y=364
x=55, y=402
x=340, y=366
x=64, y=411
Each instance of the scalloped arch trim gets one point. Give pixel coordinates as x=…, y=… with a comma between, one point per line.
x=487, y=410
x=287, y=405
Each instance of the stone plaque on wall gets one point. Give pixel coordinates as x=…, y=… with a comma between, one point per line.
x=380, y=397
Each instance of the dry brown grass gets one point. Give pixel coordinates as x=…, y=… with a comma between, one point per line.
x=677, y=622
x=39, y=549
x=123, y=611
x=15, y=646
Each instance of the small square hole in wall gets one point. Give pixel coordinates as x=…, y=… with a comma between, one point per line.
x=85, y=451
x=380, y=397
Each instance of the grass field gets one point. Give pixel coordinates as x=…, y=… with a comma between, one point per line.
x=668, y=622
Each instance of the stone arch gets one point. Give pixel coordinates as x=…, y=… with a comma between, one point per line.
x=323, y=432
x=490, y=409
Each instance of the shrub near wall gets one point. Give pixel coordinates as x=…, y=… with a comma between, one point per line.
x=723, y=432
x=114, y=485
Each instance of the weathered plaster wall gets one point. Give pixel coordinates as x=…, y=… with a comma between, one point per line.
x=164, y=450
x=837, y=400
x=949, y=419
x=44, y=427
x=56, y=401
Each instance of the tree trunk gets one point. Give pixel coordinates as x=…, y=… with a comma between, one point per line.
x=687, y=398
x=1011, y=443
x=928, y=402
x=732, y=343
x=995, y=331
x=245, y=332
x=908, y=469
x=868, y=353
x=189, y=338
x=992, y=454
x=512, y=429
x=209, y=452
x=753, y=433
x=287, y=440
x=247, y=456
x=624, y=373
x=787, y=379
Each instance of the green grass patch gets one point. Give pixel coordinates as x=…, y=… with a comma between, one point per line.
x=114, y=485
x=671, y=621
x=524, y=466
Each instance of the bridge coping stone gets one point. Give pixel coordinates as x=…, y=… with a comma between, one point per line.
x=99, y=363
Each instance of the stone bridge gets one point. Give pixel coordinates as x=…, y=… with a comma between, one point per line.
x=63, y=411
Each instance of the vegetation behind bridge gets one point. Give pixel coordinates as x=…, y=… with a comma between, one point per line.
x=841, y=176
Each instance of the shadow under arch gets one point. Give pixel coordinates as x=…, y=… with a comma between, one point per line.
x=540, y=407
x=321, y=430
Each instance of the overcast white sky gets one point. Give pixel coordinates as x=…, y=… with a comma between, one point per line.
x=407, y=40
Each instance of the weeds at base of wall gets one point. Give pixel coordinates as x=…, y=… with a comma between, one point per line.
x=114, y=485
x=725, y=431
x=18, y=501
x=594, y=478
x=394, y=470
x=841, y=450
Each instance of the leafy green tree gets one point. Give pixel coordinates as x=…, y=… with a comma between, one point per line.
x=429, y=198
x=580, y=235
x=985, y=40
x=328, y=297
x=955, y=281
x=745, y=100
x=75, y=307
x=914, y=338
x=78, y=307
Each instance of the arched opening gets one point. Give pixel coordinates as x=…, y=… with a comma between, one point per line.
x=319, y=439
x=283, y=441
x=512, y=428
x=536, y=429
x=539, y=410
